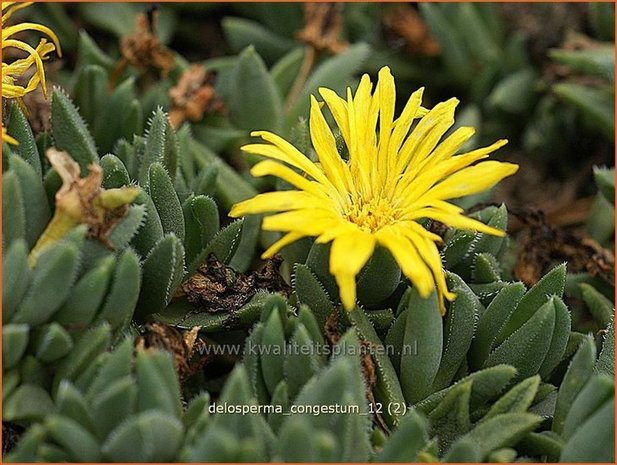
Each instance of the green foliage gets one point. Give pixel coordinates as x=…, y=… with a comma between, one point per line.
x=20, y=129
x=70, y=131
x=255, y=102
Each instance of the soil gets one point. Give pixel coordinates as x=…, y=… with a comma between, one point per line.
x=218, y=288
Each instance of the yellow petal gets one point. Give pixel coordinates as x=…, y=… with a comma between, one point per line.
x=417, y=228
x=449, y=146
x=33, y=53
x=347, y=290
x=348, y=255
x=362, y=106
x=8, y=139
x=275, y=202
x=413, y=187
x=344, y=227
x=366, y=109
x=425, y=136
x=282, y=242
x=324, y=143
x=387, y=96
x=12, y=7
x=473, y=179
x=12, y=30
x=403, y=123
x=457, y=221
x=284, y=151
x=272, y=168
x=429, y=253
x=310, y=222
x=338, y=108
x=485, y=150
x=408, y=258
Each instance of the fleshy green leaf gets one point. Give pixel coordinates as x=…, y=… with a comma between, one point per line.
x=285, y=71
x=526, y=348
x=605, y=180
x=487, y=385
x=242, y=33
x=70, y=131
x=158, y=384
x=163, y=269
x=450, y=419
x=551, y=284
x=602, y=309
x=503, y=430
x=516, y=400
x=387, y=387
x=579, y=371
x=597, y=61
x=594, y=440
x=302, y=362
x=559, y=340
x=421, y=347
x=223, y=245
x=166, y=201
x=91, y=84
x=256, y=102
x=606, y=360
x=14, y=343
x=201, y=218
x=87, y=296
x=310, y=292
x=379, y=278
x=19, y=128
x=596, y=104
x=273, y=338
x=152, y=230
x=77, y=441
x=407, y=440
x=27, y=403
x=596, y=392
x=154, y=150
x=114, y=172
x=492, y=320
x=87, y=347
x=13, y=211
x=71, y=404
x=54, y=274
x=461, y=320
x=124, y=291
x=145, y=437
x=111, y=122
x=16, y=277
x=51, y=342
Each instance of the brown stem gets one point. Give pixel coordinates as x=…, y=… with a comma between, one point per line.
x=303, y=74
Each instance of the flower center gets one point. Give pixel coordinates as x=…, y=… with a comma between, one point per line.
x=370, y=215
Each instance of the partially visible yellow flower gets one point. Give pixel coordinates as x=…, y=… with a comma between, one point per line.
x=398, y=172
x=12, y=71
x=16, y=69
x=7, y=138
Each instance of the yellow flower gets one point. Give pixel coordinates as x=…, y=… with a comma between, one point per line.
x=12, y=71
x=398, y=172
x=16, y=69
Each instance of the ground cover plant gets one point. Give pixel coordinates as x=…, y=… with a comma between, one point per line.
x=308, y=232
